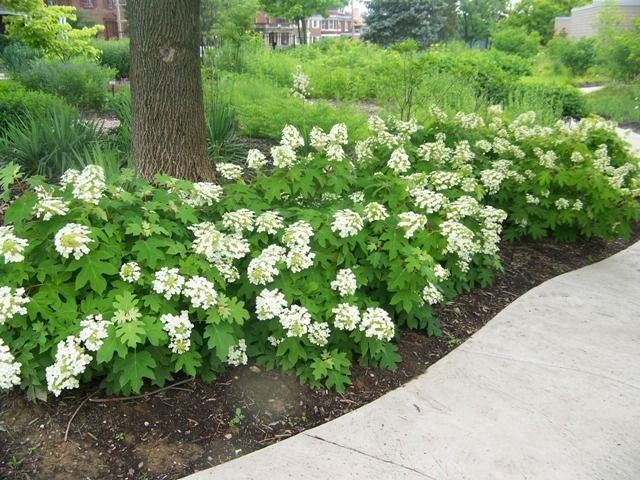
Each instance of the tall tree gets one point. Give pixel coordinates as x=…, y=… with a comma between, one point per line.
x=539, y=15
x=478, y=18
x=166, y=89
x=227, y=20
x=298, y=11
x=425, y=21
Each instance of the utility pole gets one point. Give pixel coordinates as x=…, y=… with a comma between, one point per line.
x=119, y=20
x=353, y=20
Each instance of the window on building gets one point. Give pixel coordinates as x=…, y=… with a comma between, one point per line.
x=273, y=38
x=324, y=24
x=315, y=24
x=87, y=4
x=110, y=4
x=284, y=38
x=331, y=25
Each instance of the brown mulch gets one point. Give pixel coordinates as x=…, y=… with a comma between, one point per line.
x=194, y=426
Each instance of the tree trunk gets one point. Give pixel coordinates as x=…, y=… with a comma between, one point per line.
x=166, y=90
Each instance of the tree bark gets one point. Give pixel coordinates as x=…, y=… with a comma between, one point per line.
x=168, y=126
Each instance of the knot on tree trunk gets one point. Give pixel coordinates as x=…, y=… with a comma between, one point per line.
x=168, y=54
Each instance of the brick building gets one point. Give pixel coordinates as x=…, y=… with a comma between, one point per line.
x=583, y=21
x=283, y=33
x=108, y=13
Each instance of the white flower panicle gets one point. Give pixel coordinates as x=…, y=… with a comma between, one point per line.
x=428, y=200
x=204, y=193
x=531, y=199
x=71, y=361
x=48, y=205
x=469, y=121
x=291, y=138
x=460, y=241
x=11, y=247
x=283, y=156
x=9, y=368
x=357, y=197
x=295, y=320
x=562, y=204
x=376, y=124
x=345, y=283
x=346, y=316
x=256, y=159
x=94, y=331
x=69, y=177
x=436, y=152
x=462, y=207
x=411, y=222
x=130, y=272
x=90, y=184
x=269, y=222
x=319, y=333
x=364, y=150
x=399, y=161
x=299, y=257
x=440, y=272
x=239, y=220
x=375, y=211
x=229, y=171
x=179, y=329
x=218, y=248
x=168, y=282
x=432, y=294
x=376, y=323
x=263, y=269
x=12, y=304
x=237, y=354
x=201, y=292
x=299, y=233
x=347, y=223
x=300, y=83
x=270, y=304
x=72, y=239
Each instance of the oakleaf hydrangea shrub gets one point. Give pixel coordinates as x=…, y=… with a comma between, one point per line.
x=308, y=268
x=571, y=180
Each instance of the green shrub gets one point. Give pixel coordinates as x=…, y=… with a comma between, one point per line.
x=17, y=56
x=619, y=102
x=569, y=100
x=79, y=82
x=114, y=54
x=516, y=41
x=16, y=103
x=578, y=56
x=47, y=144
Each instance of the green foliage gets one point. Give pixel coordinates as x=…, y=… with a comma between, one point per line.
x=44, y=31
x=221, y=123
x=618, y=47
x=227, y=21
x=425, y=21
x=47, y=143
x=16, y=103
x=79, y=82
x=17, y=56
x=578, y=56
x=568, y=100
x=516, y=41
x=619, y=102
x=478, y=18
x=114, y=54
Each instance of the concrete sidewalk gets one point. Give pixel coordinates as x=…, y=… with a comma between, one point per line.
x=549, y=389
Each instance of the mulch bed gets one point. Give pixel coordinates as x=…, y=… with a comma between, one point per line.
x=193, y=426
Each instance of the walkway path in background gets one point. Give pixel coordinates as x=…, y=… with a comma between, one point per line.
x=548, y=389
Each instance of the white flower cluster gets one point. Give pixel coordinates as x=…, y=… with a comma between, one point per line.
x=432, y=294
x=376, y=323
x=69, y=177
x=179, y=329
x=72, y=239
x=48, y=205
x=237, y=354
x=436, y=152
x=130, y=272
x=331, y=143
x=562, y=204
x=270, y=304
x=295, y=320
x=229, y=171
x=430, y=201
x=263, y=269
x=9, y=368
x=364, y=150
x=239, y=220
x=204, y=193
x=90, y=184
x=411, y=222
x=300, y=83
x=319, y=333
x=219, y=248
x=460, y=240
x=71, y=361
x=347, y=223
x=462, y=207
x=469, y=121
x=440, y=272
x=12, y=304
x=201, y=292
x=256, y=159
x=375, y=211
x=168, y=282
x=269, y=222
x=11, y=246
x=547, y=159
x=346, y=316
x=345, y=283
x=284, y=155
x=443, y=180
x=399, y=161
x=462, y=155
x=94, y=331
x=297, y=238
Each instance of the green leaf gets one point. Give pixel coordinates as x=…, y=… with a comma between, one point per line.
x=188, y=362
x=93, y=268
x=148, y=251
x=133, y=369
x=220, y=337
x=154, y=330
x=110, y=346
x=131, y=333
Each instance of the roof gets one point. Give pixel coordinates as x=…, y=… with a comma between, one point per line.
x=606, y=3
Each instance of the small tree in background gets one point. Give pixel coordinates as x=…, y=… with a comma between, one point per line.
x=39, y=26
x=477, y=18
x=425, y=21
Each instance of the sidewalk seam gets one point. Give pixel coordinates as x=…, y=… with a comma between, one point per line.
x=369, y=455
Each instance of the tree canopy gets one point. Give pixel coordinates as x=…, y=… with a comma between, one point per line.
x=227, y=20
x=479, y=17
x=39, y=26
x=425, y=21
